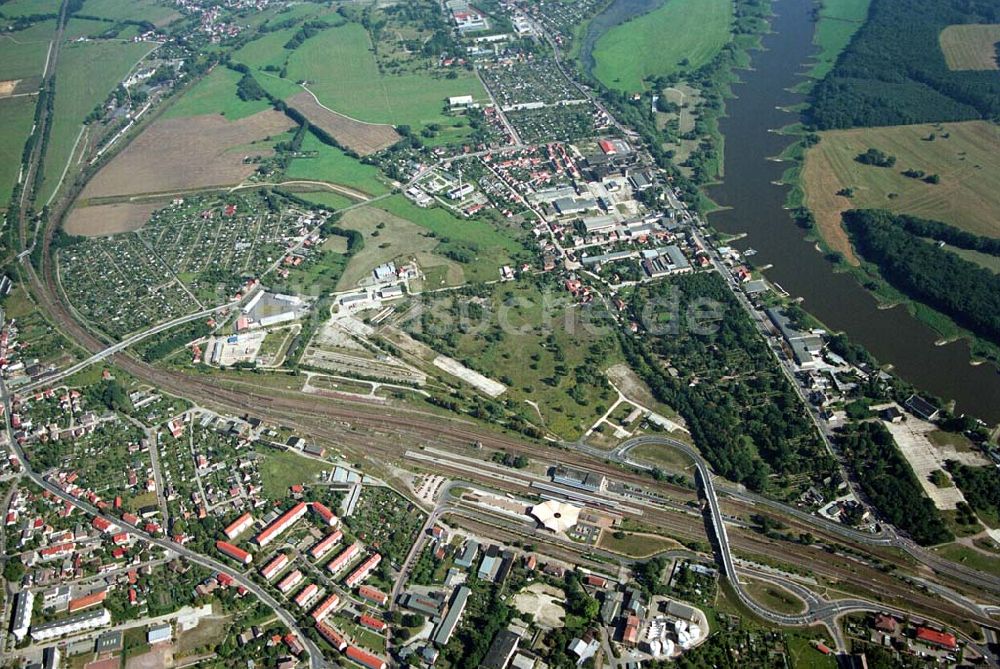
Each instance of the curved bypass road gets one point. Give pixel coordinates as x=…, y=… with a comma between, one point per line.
x=818, y=610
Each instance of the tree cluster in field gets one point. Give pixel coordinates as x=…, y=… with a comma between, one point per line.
x=887, y=480
x=980, y=485
x=960, y=289
x=722, y=379
x=876, y=158
x=894, y=73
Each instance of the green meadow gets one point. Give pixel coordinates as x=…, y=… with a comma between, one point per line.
x=334, y=166
x=679, y=35
x=341, y=70
x=838, y=21
x=86, y=75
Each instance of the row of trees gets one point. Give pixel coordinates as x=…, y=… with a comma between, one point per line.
x=966, y=292
x=894, y=72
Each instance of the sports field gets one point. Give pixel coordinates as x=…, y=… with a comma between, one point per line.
x=86, y=75
x=966, y=156
x=659, y=42
x=355, y=87
x=838, y=21
x=16, y=115
x=971, y=47
x=216, y=94
x=334, y=166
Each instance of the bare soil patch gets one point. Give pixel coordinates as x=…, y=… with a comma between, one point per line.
x=971, y=47
x=7, y=87
x=185, y=153
x=362, y=138
x=108, y=219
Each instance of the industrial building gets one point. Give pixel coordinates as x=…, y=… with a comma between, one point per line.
x=448, y=624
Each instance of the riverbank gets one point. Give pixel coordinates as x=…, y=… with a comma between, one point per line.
x=758, y=200
x=686, y=104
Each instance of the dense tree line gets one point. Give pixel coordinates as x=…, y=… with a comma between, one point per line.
x=888, y=481
x=742, y=412
x=942, y=232
x=980, y=485
x=893, y=72
x=966, y=292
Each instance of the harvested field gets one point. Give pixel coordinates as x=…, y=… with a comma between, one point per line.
x=358, y=136
x=179, y=154
x=964, y=155
x=108, y=219
x=971, y=47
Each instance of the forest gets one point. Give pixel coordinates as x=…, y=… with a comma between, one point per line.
x=890, y=484
x=894, y=73
x=966, y=292
x=942, y=232
x=981, y=487
x=742, y=412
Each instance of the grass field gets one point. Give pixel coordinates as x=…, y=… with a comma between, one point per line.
x=669, y=459
x=327, y=199
x=534, y=343
x=15, y=8
x=216, y=94
x=636, y=545
x=971, y=47
x=333, y=165
x=136, y=10
x=22, y=54
x=965, y=155
x=86, y=74
x=661, y=41
x=773, y=597
x=280, y=470
x=355, y=87
x=16, y=116
x=838, y=21
x=398, y=238
x=268, y=49
x=970, y=557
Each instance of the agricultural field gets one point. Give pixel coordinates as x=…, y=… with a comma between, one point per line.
x=679, y=35
x=86, y=74
x=358, y=136
x=16, y=115
x=838, y=21
x=22, y=53
x=966, y=156
x=533, y=340
x=358, y=89
x=971, y=47
x=157, y=13
x=322, y=162
x=108, y=219
x=15, y=8
x=215, y=94
x=179, y=154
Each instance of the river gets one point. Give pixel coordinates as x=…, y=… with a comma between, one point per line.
x=756, y=207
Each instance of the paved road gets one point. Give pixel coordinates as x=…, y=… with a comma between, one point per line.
x=819, y=611
x=122, y=345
